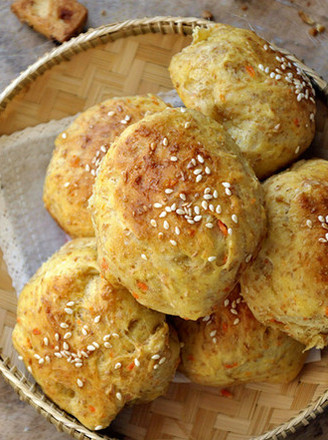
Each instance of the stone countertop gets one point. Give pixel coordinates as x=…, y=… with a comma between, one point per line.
x=275, y=20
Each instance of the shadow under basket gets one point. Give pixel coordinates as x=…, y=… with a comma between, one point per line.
x=128, y=58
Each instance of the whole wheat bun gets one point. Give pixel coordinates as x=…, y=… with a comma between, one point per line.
x=90, y=346
x=286, y=287
x=263, y=100
x=177, y=212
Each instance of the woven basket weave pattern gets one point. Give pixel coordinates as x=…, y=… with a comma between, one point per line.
x=100, y=64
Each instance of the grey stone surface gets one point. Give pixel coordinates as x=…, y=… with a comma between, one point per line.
x=276, y=20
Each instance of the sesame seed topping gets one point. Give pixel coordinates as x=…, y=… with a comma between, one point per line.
x=180, y=211
x=63, y=325
x=65, y=346
x=199, y=178
x=20, y=357
x=127, y=118
x=67, y=335
x=162, y=214
x=37, y=356
x=173, y=158
x=209, y=225
x=321, y=218
x=111, y=113
x=177, y=230
x=136, y=362
x=233, y=311
x=97, y=319
x=143, y=256
x=212, y=258
x=157, y=205
x=183, y=197
x=155, y=356
x=272, y=75
x=166, y=224
x=204, y=204
x=91, y=348
x=226, y=302
x=206, y=318
x=267, y=70
x=229, y=231
x=79, y=383
x=153, y=223
x=68, y=310
x=167, y=209
x=70, y=303
x=196, y=210
x=182, y=109
x=95, y=344
x=87, y=167
x=322, y=240
x=207, y=170
x=207, y=190
x=78, y=365
x=58, y=355
x=198, y=218
x=168, y=191
x=29, y=369
x=45, y=341
x=57, y=336
x=248, y=258
x=107, y=345
x=115, y=335
x=173, y=242
x=187, y=124
x=226, y=184
x=118, y=365
x=228, y=192
x=165, y=142
x=41, y=361
x=234, y=218
x=123, y=122
x=207, y=196
x=213, y=333
x=218, y=209
x=161, y=361
x=119, y=396
x=260, y=66
x=265, y=47
x=98, y=428
x=84, y=332
x=197, y=171
x=297, y=150
x=200, y=158
x=236, y=321
x=309, y=223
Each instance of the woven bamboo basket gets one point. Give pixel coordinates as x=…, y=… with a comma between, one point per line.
x=115, y=60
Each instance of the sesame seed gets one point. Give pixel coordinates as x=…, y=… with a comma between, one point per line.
x=211, y=207
x=187, y=124
x=200, y=158
x=213, y=333
x=84, y=354
x=226, y=184
x=155, y=356
x=173, y=242
x=199, y=178
x=226, y=302
x=218, y=209
x=157, y=205
x=229, y=231
x=107, y=345
x=326, y=218
x=143, y=256
x=84, y=332
x=106, y=337
x=70, y=303
x=65, y=346
x=119, y=396
x=162, y=214
x=136, y=362
x=57, y=337
x=29, y=369
x=196, y=210
x=248, y=258
x=191, y=222
x=236, y=321
x=123, y=122
x=198, y=218
x=160, y=235
x=87, y=167
x=165, y=142
x=153, y=223
x=207, y=170
x=260, y=66
x=45, y=341
x=297, y=150
x=167, y=209
x=118, y=365
x=58, y=355
x=207, y=190
x=209, y=225
x=127, y=118
x=78, y=365
x=166, y=224
x=309, y=223
x=272, y=75
x=265, y=47
x=214, y=340
x=91, y=348
x=37, y=356
x=212, y=258
x=206, y=318
x=97, y=319
x=161, y=361
x=278, y=77
x=66, y=184
x=67, y=335
x=98, y=428
x=177, y=230
x=182, y=109
x=95, y=344
x=183, y=197
x=63, y=325
x=234, y=312
x=79, y=383
x=180, y=211
x=168, y=191
x=47, y=358
x=267, y=70
x=204, y=204
x=234, y=218
x=111, y=113
x=207, y=196
x=322, y=240
x=321, y=218
x=173, y=158
x=20, y=357
x=197, y=171
x=228, y=192
x=68, y=310
x=115, y=335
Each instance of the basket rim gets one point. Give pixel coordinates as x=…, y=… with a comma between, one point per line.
x=93, y=37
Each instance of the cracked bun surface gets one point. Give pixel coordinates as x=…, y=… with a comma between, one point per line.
x=264, y=101
x=90, y=346
x=78, y=153
x=231, y=346
x=177, y=212
x=286, y=287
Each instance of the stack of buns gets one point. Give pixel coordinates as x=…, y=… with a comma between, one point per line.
x=168, y=216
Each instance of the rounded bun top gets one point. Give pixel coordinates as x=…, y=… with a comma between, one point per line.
x=177, y=209
x=263, y=99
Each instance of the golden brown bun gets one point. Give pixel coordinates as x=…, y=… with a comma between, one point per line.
x=158, y=225
x=287, y=285
x=56, y=19
x=263, y=100
x=78, y=153
x=110, y=338
x=231, y=347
